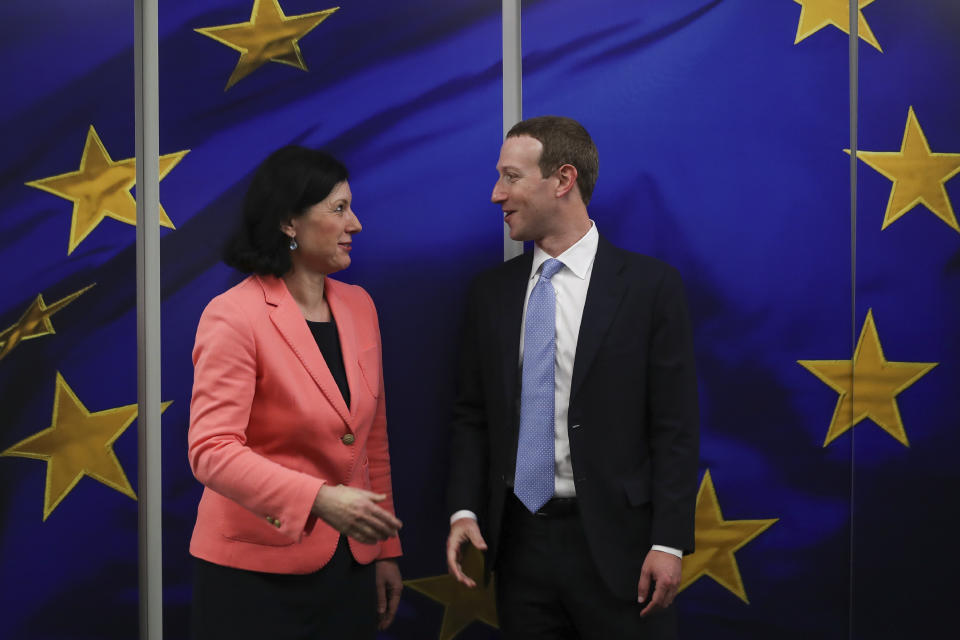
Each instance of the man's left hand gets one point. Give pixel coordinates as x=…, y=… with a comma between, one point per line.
x=663, y=569
x=389, y=586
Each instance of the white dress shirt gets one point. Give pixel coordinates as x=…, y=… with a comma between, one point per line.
x=571, y=283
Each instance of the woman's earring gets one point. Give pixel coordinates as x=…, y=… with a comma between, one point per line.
x=293, y=244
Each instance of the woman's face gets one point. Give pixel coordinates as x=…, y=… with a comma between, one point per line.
x=324, y=233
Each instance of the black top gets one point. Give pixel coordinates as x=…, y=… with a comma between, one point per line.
x=325, y=333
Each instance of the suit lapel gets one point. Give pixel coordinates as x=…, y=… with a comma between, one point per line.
x=603, y=298
x=510, y=320
x=289, y=321
x=346, y=329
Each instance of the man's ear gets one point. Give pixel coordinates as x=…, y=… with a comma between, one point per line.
x=567, y=174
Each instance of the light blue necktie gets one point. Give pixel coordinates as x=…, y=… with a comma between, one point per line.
x=533, y=482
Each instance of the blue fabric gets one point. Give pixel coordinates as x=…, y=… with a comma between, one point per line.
x=533, y=482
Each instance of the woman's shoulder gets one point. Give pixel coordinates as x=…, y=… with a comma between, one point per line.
x=244, y=295
x=353, y=294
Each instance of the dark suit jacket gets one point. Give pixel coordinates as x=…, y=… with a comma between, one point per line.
x=632, y=414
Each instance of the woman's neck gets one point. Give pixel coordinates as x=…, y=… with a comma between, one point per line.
x=308, y=290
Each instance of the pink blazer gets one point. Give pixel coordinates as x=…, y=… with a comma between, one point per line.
x=268, y=427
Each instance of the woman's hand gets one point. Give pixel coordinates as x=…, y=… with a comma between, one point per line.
x=389, y=586
x=354, y=512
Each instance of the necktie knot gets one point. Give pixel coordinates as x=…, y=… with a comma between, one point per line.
x=550, y=268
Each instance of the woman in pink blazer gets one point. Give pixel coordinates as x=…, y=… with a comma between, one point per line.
x=296, y=534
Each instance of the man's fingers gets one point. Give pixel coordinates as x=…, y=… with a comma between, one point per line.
x=657, y=601
x=643, y=586
x=476, y=539
x=453, y=559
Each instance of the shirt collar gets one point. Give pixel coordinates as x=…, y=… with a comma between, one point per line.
x=577, y=258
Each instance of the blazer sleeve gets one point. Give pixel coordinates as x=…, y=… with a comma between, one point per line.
x=673, y=417
x=469, y=453
x=225, y=373
x=378, y=452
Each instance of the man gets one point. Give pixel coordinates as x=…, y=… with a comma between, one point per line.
x=575, y=424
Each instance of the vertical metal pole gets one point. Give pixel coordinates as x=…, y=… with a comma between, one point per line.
x=853, y=44
x=512, y=93
x=148, y=319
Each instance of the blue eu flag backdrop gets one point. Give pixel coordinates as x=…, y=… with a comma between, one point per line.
x=827, y=348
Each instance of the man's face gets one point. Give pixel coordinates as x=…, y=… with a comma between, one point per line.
x=528, y=199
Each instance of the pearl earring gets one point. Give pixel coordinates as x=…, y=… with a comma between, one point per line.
x=293, y=244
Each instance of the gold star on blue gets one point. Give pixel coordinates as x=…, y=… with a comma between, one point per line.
x=268, y=36
x=35, y=321
x=78, y=443
x=461, y=605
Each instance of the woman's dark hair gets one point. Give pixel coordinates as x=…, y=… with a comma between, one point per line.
x=290, y=181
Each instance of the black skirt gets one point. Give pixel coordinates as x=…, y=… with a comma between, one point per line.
x=339, y=602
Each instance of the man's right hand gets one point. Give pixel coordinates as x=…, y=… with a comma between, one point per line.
x=463, y=530
x=354, y=512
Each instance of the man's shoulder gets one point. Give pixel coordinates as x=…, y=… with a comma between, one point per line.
x=508, y=270
x=636, y=261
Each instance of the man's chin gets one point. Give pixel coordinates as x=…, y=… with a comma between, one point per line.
x=517, y=234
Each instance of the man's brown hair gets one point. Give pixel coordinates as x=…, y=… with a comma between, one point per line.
x=564, y=141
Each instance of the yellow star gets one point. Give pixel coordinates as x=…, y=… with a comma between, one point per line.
x=101, y=188
x=35, y=321
x=78, y=443
x=269, y=36
x=868, y=385
x=919, y=176
x=716, y=542
x=817, y=14
x=461, y=605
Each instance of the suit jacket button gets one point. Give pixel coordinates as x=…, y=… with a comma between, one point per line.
x=348, y=438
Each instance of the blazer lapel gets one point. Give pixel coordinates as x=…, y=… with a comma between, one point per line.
x=346, y=329
x=603, y=299
x=289, y=321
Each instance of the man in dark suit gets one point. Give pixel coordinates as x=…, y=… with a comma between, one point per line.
x=575, y=440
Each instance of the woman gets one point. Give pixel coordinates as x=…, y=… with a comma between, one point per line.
x=295, y=534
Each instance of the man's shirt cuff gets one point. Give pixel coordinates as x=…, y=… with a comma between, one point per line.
x=463, y=513
x=656, y=547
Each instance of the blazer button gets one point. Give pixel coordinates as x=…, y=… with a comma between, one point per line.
x=348, y=438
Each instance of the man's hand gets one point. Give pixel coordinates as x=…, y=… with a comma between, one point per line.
x=664, y=570
x=389, y=586
x=354, y=512
x=461, y=531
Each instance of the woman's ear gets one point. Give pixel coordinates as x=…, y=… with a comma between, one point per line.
x=288, y=229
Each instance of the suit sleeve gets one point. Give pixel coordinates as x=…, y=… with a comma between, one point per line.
x=469, y=449
x=225, y=372
x=673, y=417
x=378, y=451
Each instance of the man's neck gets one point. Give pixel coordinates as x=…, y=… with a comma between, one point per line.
x=556, y=244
